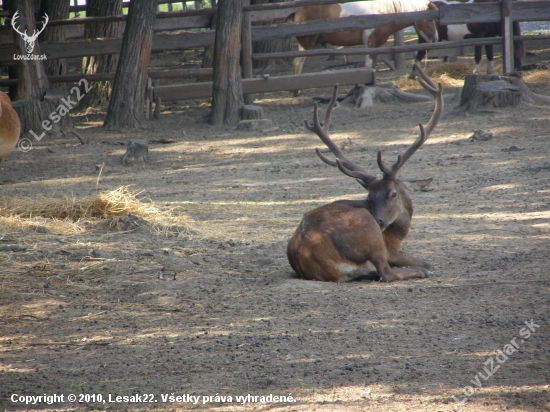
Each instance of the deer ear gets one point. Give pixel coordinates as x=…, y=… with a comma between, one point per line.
x=414, y=185
x=366, y=183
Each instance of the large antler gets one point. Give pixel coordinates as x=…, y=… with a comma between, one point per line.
x=425, y=131
x=345, y=165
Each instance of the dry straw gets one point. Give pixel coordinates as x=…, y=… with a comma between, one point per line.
x=117, y=202
x=538, y=76
x=66, y=213
x=448, y=74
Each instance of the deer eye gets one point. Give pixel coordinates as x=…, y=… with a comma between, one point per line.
x=393, y=195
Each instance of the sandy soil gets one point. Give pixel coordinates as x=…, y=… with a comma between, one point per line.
x=213, y=308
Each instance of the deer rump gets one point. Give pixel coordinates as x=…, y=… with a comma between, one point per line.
x=361, y=239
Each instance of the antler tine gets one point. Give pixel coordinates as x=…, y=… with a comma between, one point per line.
x=331, y=105
x=325, y=159
x=424, y=80
x=322, y=132
x=388, y=171
x=425, y=131
x=358, y=174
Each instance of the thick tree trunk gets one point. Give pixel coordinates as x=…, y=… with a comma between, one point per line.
x=56, y=10
x=33, y=82
x=227, y=98
x=129, y=86
x=41, y=110
x=101, y=91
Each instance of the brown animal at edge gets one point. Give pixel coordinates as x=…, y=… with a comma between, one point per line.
x=342, y=240
x=10, y=127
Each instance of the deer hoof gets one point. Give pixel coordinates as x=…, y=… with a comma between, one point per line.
x=425, y=273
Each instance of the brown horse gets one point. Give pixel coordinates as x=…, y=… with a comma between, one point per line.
x=369, y=38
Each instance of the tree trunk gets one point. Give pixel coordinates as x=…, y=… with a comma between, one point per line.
x=41, y=110
x=101, y=91
x=33, y=82
x=129, y=86
x=56, y=10
x=270, y=46
x=227, y=98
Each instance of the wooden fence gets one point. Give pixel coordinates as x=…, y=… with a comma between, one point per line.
x=201, y=19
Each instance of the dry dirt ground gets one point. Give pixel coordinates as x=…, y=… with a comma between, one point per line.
x=205, y=304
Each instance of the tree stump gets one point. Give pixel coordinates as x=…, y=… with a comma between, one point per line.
x=137, y=152
x=255, y=124
x=489, y=90
x=48, y=117
x=252, y=112
x=480, y=92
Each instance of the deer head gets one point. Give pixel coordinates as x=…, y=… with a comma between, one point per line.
x=387, y=199
x=29, y=40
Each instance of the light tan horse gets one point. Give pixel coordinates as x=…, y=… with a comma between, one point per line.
x=426, y=29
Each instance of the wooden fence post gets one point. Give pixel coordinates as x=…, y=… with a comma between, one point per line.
x=507, y=36
x=399, y=58
x=246, y=50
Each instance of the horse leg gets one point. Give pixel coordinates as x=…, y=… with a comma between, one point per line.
x=304, y=43
x=419, y=57
x=365, y=36
x=489, y=54
x=477, y=56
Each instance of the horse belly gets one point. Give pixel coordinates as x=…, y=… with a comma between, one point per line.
x=456, y=32
x=343, y=38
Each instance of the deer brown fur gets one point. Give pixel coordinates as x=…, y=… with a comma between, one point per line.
x=10, y=127
x=361, y=239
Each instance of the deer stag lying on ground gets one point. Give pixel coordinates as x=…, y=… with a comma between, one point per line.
x=10, y=127
x=342, y=240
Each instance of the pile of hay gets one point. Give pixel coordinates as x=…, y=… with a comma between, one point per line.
x=117, y=202
x=457, y=70
x=448, y=74
x=538, y=76
x=68, y=214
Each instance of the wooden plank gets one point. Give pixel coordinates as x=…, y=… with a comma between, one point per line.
x=77, y=31
x=182, y=23
x=469, y=13
x=308, y=81
x=96, y=47
x=379, y=50
x=279, y=31
x=270, y=84
x=153, y=74
x=261, y=16
x=531, y=11
x=184, y=91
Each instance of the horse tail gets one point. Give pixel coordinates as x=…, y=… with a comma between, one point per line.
x=290, y=19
